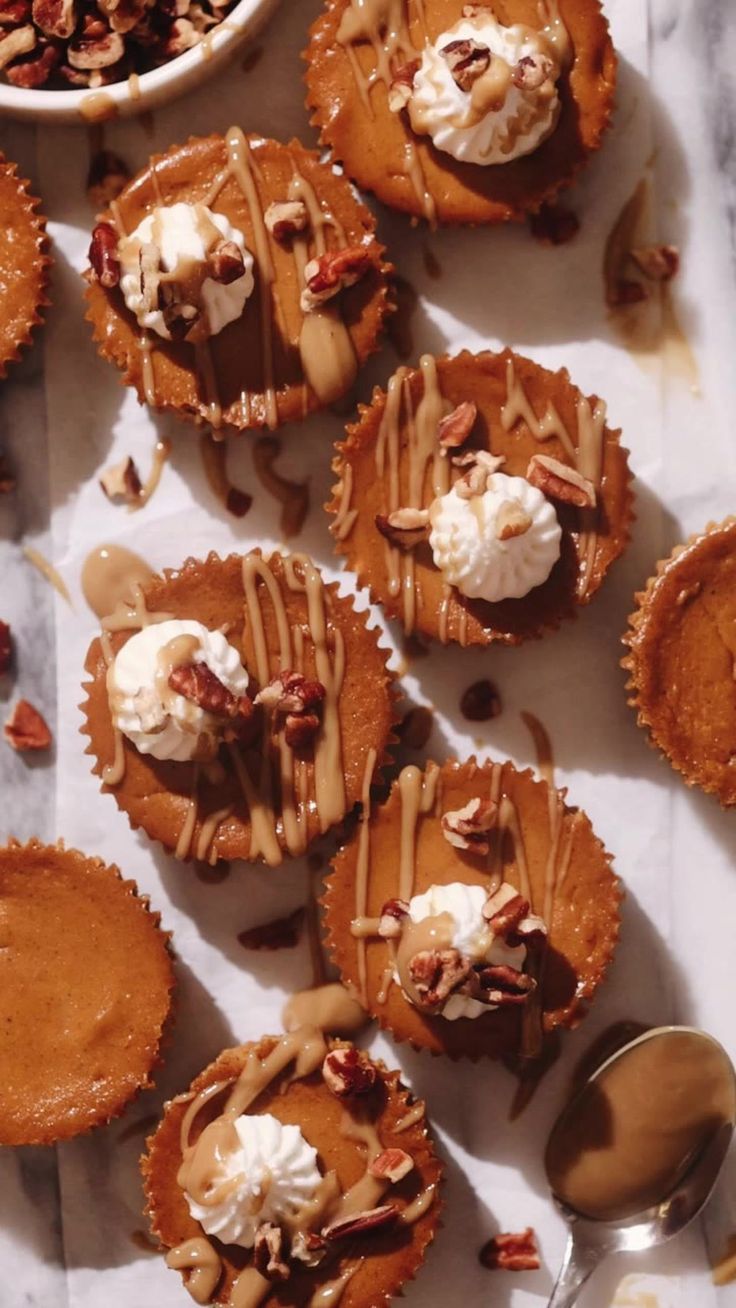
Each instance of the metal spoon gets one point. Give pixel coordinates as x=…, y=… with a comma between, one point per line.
x=591, y=1240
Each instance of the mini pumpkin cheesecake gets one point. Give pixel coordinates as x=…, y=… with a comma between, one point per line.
x=295, y=1170
x=682, y=660
x=481, y=498
x=85, y=991
x=461, y=113
x=226, y=707
x=24, y=264
x=237, y=281
x=474, y=912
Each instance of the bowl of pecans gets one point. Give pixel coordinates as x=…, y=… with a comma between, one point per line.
x=88, y=61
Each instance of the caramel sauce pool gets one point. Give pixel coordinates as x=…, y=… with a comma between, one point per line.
x=109, y=574
x=626, y=1140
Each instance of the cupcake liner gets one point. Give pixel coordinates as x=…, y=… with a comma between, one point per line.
x=463, y=194
x=166, y=1207
x=116, y=333
x=638, y=669
x=497, y=1036
x=486, y=623
x=30, y=246
x=152, y=810
x=41, y=1129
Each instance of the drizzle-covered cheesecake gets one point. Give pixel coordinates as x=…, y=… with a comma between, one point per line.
x=481, y=498
x=294, y=1171
x=461, y=113
x=682, y=660
x=474, y=912
x=226, y=706
x=237, y=281
x=86, y=985
x=24, y=264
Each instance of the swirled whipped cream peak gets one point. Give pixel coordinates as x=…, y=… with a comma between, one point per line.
x=494, y=543
x=186, y=272
x=254, y=1170
x=485, y=93
x=176, y=689
x=452, y=956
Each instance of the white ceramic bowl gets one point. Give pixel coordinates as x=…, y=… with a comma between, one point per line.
x=148, y=91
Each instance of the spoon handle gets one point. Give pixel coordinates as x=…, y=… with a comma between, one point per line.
x=577, y=1265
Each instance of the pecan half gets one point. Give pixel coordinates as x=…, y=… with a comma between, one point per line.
x=103, y=255
x=481, y=465
x=286, y=219
x=279, y=933
x=435, y=973
x=532, y=71
x=26, y=729
x=297, y=701
x=348, y=1072
x=468, y=827
x=554, y=224
x=308, y=1247
x=512, y=520
x=13, y=12
x=467, y=60
x=404, y=528
x=359, y=1222
x=392, y=1165
x=6, y=647
x=268, y=1253
x=107, y=176
x=18, y=42
x=511, y=1252
x=56, y=18
x=331, y=273
x=660, y=263
x=560, y=482
x=390, y=923
x=402, y=85
x=95, y=49
x=198, y=683
x=225, y=262
x=455, y=427
x=121, y=481
x=34, y=70
x=501, y=985
x=481, y=701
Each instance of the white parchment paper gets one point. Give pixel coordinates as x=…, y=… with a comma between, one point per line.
x=673, y=849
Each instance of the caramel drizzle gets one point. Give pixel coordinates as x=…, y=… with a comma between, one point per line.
x=411, y=1118
x=201, y=1260
x=344, y=520
x=161, y=452
x=361, y=873
x=48, y=571
x=383, y=24
x=184, y=843
x=586, y=456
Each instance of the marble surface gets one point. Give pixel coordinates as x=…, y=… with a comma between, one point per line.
x=68, y=1217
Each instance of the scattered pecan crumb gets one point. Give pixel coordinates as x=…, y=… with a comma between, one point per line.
x=532, y=71
x=560, y=482
x=286, y=219
x=480, y=465
x=359, y=1222
x=660, y=263
x=103, y=255
x=107, y=176
x=404, y=528
x=554, y=224
x=467, y=60
x=455, y=427
x=481, y=701
x=511, y=1253
x=6, y=647
x=330, y=273
x=501, y=985
x=225, y=262
x=121, y=481
x=504, y=910
x=268, y=1253
x=279, y=933
x=415, y=727
x=468, y=827
x=26, y=729
x=435, y=973
x=402, y=85
x=512, y=520
x=392, y=1165
x=348, y=1072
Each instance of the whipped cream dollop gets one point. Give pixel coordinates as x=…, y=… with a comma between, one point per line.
x=469, y=933
x=269, y=1174
x=472, y=555
x=182, y=288
x=511, y=106
x=155, y=718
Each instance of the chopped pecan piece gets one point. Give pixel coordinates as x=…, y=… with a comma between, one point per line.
x=96, y=49
x=532, y=71
x=481, y=701
x=504, y=910
x=468, y=827
x=123, y=15
x=279, y=933
x=404, y=528
x=6, y=647
x=392, y=1165
x=330, y=273
x=348, y=1072
x=435, y=973
x=553, y=224
x=26, y=729
x=107, y=176
x=511, y=1252
x=149, y=268
x=481, y=465
x=57, y=18
x=660, y=263
x=179, y=319
x=268, y=1253
x=415, y=727
x=13, y=12
x=20, y=41
x=467, y=60
x=198, y=683
x=297, y=701
x=391, y=920
x=103, y=255
x=560, y=482
x=285, y=219
x=225, y=262
x=121, y=481
x=501, y=985
x=35, y=69
x=359, y=1222
x=402, y=85
x=512, y=520
x=455, y=427
x=308, y=1247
